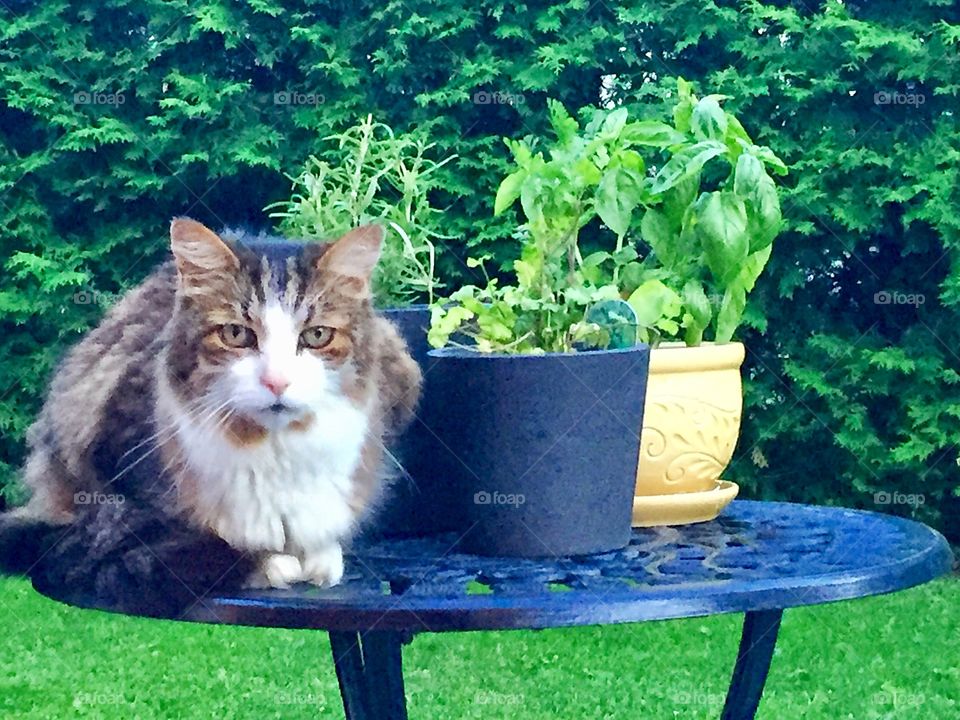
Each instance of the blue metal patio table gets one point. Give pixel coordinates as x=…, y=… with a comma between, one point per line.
x=758, y=558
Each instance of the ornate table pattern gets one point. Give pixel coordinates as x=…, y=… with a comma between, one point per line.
x=758, y=558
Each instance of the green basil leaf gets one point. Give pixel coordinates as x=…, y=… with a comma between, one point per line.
x=764, y=217
x=699, y=313
x=708, y=120
x=509, y=191
x=678, y=199
x=731, y=312
x=685, y=163
x=752, y=268
x=611, y=205
x=631, y=162
x=651, y=133
x=747, y=175
x=721, y=225
x=696, y=302
x=614, y=123
x=632, y=276
x=684, y=108
x=585, y=174
x=619, y=192
x=770, y=159
x=531, y=199
x=653, y=301
x=596, y=258
x=625, y=254
x=659, y=233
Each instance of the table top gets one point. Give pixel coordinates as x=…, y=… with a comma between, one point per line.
x=756, y=556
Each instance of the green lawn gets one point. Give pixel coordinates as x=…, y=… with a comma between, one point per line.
x=896, y=656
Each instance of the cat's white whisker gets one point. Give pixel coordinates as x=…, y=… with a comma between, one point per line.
x=181, y=456
x=191, y=407
x=157, y=446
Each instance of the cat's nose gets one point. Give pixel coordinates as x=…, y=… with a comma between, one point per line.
x=274, y=383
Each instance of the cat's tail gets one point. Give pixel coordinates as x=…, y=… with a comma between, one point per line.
x=126, y=559
x=22, y=541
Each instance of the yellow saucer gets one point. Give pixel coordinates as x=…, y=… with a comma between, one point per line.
x=683, y=508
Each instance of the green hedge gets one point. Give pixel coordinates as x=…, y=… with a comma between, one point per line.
x=115, y=116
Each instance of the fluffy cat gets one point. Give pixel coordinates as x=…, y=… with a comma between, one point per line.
x=225, y=424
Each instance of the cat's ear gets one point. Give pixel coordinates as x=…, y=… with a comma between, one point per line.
x=354, y=256
x=198, y=250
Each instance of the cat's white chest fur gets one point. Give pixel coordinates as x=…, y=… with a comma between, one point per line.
x=288, y=493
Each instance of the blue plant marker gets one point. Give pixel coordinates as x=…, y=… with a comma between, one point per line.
x=618, y=319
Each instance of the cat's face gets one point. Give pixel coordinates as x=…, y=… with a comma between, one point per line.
x=267, y=336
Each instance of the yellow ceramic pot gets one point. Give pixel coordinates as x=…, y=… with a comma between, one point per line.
x=691, y=423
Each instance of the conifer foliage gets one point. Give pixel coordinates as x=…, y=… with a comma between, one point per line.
x=116, y=116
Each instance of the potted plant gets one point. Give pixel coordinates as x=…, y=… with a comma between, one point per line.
x=544, y=391
x=704, y=219
x=369, y=173
x=708, y=219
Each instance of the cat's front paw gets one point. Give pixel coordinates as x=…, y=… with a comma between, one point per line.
x=324, y=567
x=276, y=571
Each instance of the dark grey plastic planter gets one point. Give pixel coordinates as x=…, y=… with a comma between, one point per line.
x=546, y=447
x=419, y=500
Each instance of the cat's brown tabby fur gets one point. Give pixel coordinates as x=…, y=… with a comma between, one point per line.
x=225, y=423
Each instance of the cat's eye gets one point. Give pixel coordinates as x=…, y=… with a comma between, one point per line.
x=237, y=336
x=317, y=337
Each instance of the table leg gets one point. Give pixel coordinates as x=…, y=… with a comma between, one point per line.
x=759, y=637
x=382, y=659
x=370, y=674
x=348, y=661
